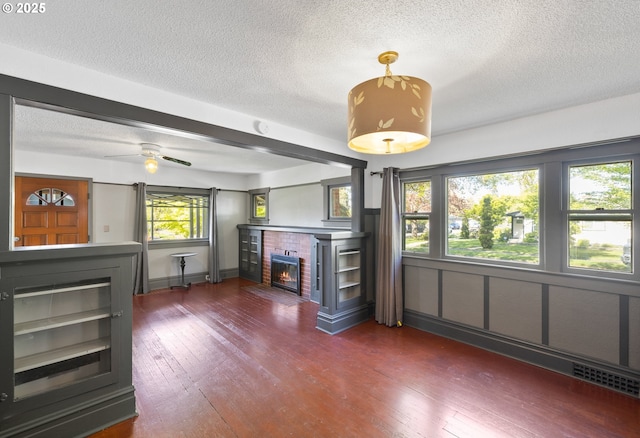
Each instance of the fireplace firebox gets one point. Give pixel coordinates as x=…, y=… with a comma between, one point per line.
x=285, y=272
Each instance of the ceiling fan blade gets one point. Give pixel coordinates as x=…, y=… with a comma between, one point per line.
x=175, y=160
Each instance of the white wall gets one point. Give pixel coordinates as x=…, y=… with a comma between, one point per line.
x=105, y=171
x=299, y=206
x=604, y=120
x=113, y=213
x=114, y=207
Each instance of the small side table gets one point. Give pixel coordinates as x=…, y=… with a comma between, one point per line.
x=181, y=256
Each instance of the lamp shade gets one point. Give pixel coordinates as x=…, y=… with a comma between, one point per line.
x=390, y=115
x=151, y=165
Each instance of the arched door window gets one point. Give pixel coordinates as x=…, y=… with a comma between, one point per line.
x=50, y=196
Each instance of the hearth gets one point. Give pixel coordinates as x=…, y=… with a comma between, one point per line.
x=285, y=272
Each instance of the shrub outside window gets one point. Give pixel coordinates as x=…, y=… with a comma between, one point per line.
x=177, y=216
x=415, y=217
x=259, y=206
x=600, y=216
x=494, y=216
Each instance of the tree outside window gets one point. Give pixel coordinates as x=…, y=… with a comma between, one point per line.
x=177, y=216
x=415, y=216
x=494, y=216
x=259, y=206
x=600, y=216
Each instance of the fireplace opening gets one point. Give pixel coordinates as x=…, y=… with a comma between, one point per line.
x=285, y=272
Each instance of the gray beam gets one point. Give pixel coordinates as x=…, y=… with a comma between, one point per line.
x=357, y=199
x=6, y=173
x=71, y=102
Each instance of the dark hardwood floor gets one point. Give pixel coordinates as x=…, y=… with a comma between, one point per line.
x=217, y=360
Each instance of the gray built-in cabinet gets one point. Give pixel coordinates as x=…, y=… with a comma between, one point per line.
x=65, y=337
x=338, y=278
x=250, y=254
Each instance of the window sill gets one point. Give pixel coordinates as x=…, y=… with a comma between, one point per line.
x=340, y=223
x=161, y=244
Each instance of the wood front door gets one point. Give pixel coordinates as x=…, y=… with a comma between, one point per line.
x=50, y=211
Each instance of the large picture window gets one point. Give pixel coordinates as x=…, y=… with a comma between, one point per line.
x=600, y=212
x=416, y=210
x=568, y=210
x=494, y=216
x=177, y=216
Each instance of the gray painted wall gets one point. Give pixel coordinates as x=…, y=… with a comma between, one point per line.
x=580, y=317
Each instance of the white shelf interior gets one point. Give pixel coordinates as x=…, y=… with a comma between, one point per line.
x=60, y=354
x=60, y=321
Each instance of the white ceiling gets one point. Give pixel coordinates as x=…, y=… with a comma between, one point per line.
x=293, y=62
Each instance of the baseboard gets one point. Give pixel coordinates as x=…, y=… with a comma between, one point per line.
x=337, y=323
x=199, y=277
x=81, y=419
x=539, y=355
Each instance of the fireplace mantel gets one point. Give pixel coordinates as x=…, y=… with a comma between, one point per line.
x=320, y=232
x=340, y=292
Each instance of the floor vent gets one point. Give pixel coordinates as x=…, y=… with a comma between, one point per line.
x=613, y=381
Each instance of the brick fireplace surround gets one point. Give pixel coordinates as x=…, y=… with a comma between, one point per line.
x=298, y=245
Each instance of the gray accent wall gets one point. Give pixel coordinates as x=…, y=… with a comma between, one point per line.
x=515, y=309
x=463, y=298
x=585, y=322
x=545, y=319
x=634, y=333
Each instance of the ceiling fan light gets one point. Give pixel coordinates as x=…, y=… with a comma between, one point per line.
x=151, y=165
x=390, y=114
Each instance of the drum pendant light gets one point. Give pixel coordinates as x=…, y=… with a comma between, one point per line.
x=390, y=114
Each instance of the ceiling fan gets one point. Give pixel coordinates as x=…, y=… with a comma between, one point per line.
x=152, y=153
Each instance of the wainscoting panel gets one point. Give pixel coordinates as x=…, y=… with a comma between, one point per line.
x=515, y=309
x=463, y=298
x=422, y=295
x=584, y=327
x=634, y=333
x=585, y=322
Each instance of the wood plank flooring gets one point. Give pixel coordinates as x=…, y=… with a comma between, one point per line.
x=218, y=361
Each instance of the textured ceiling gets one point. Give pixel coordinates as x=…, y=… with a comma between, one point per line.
x=293, y=62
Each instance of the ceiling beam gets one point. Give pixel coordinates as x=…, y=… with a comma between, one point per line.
x=39, y=95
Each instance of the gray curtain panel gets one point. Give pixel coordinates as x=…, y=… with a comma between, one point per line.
x=389, y=304
x=141, y=280
x=214, y=257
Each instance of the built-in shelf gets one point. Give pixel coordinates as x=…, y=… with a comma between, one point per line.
x=60, y=321
x=60, y=290
x=57, y=355
x=348, y=284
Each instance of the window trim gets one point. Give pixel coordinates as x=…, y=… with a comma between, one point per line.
x=327, y=185
x=552, y=186
x=599, y=215
x=423, y=215
x=253, y=219
x=166, y=243
x=498, y=262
